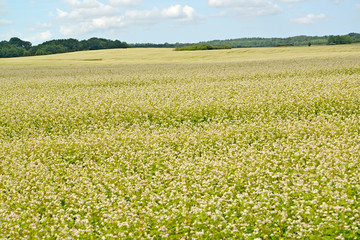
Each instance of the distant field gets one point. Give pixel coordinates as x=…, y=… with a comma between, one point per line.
x=260, y=143
x=169, y=56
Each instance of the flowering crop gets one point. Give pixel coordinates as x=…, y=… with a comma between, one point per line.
x=254, y=149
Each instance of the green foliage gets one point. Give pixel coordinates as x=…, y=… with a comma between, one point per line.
x=41, y=52
x=270, y=42
x=20, y=43
x=291, y=41
x=18, y=48
x=344, y=39
x=355, y=37
x=72, y=45
x=8, y=50
x=202, y=47
x=253, y=42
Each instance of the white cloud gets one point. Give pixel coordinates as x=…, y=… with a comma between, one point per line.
x=39, y=32
x=180, y=13
x=309, y=19
x=83, y=3
x=247, y=7
x=91, y=15
x=357, y=6
x=127, y=3
x=43, y=36
x=87, y=9
x=39, y=37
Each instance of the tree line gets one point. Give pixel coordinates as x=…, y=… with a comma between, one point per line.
x=16, y=47
x=263, y=42
x=344, y=39
x=290, y=41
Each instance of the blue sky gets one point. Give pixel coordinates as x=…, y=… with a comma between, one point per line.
x=175, y=20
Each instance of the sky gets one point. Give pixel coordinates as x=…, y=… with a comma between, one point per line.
x=150, y=21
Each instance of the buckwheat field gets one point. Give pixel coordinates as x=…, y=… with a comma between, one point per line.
x=157, y=144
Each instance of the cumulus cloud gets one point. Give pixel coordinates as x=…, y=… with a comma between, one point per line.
x=40, y=32
x=38, y=37
x=309, y=19
x=247, y=7
x=91, y=15
x=179, y=12
x=43, y=36
x=87, y=9
x=83, y=3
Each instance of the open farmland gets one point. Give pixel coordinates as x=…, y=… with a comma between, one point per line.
x=153, y=143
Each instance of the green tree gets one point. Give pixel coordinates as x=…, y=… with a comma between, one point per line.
x=20, y=43
x=344, y=39
x=40, y=52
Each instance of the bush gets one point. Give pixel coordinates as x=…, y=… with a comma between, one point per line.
x=202, y=47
